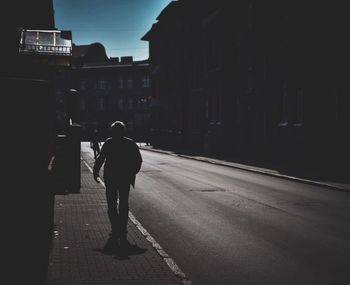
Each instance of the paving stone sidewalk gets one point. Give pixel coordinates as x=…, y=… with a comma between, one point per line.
x=81, y=231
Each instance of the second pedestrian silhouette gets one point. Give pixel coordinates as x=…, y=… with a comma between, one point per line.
x=122, y=161
x=95, y=144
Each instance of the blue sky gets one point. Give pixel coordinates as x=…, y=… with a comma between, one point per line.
x=117, y=24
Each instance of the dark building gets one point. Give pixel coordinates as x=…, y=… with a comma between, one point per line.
x=256, y=82
x=109, y=89
x=26, y=74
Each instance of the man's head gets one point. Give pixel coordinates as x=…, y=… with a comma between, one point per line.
x=118, y=129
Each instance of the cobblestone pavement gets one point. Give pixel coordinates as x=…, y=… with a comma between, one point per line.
x=81, y=232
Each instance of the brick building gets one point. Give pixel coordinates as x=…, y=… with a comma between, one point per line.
x=109, y=89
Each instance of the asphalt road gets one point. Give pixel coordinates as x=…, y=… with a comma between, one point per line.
x=226, y=226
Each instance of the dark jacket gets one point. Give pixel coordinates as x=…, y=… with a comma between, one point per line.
x=122, y=160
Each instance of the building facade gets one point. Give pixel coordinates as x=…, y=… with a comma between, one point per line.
x=261, y=83
x=109, y=89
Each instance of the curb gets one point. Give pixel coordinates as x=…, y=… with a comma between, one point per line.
x=255, y=170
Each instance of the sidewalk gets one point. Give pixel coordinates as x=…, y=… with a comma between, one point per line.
x=81, y=232
x=329, y=184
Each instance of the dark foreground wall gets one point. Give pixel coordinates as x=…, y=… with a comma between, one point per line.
x=27, y=202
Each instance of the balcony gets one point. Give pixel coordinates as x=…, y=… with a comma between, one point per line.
x=49, y=47
x=46, y=42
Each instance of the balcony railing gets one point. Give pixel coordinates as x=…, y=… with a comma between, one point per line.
x=46, y=42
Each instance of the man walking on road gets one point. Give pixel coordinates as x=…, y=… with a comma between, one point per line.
x=122, y=161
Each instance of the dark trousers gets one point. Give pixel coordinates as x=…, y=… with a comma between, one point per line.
x=117, y=195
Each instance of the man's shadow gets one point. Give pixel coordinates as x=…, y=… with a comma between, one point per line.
x=120, y=252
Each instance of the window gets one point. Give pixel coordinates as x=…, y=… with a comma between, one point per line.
x=59, y=115
x=101, y=104
x=82, y=85
x=145, y=81
x=82, y=104
x=120, y=104
x=142, y=104
x=102, y=84
x=120, y=82
x=130, y=83
x=83, y=126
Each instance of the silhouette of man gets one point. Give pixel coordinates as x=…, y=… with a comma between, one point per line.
x=95, y=144
x=122, y=161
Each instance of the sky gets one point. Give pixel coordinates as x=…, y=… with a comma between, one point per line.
x=118, y=25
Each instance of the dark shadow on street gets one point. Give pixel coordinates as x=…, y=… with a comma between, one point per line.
x=120, y=252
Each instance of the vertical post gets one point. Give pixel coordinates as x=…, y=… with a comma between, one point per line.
x=74, y=175
x=73, y=143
